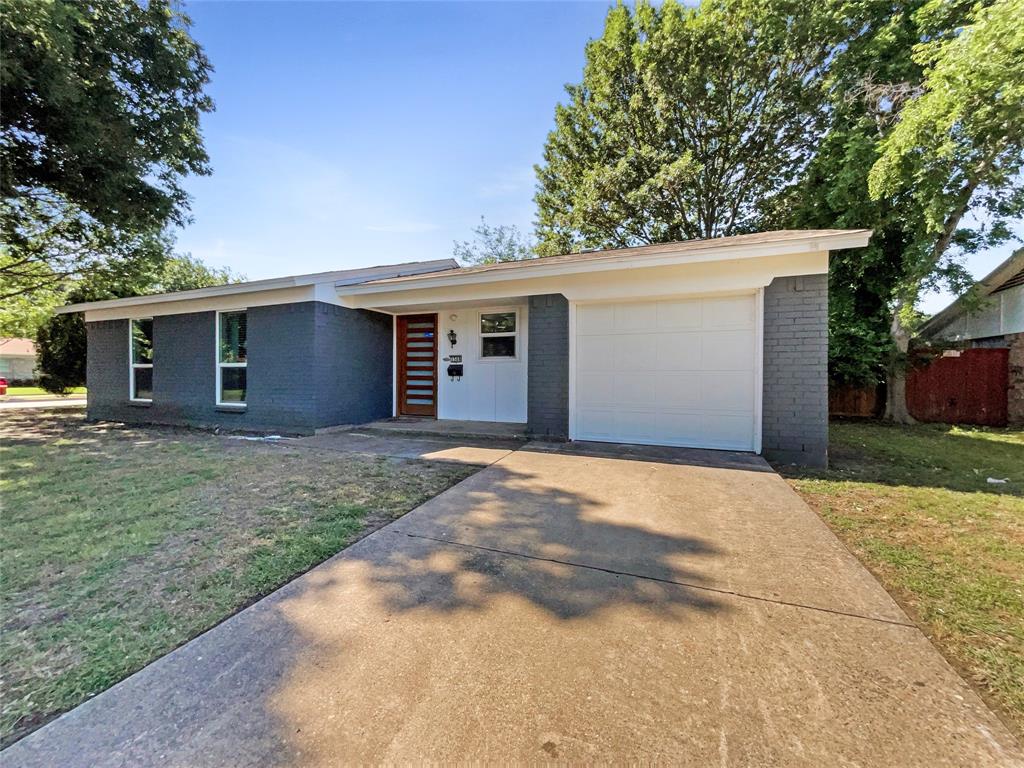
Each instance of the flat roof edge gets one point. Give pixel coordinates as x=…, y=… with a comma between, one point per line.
x=358, y=275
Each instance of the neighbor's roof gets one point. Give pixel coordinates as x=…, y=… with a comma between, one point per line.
x=14, y=347
x=343, y=277
x=1009, y=274
x=695, y=250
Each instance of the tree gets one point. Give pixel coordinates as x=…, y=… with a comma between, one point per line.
x=493, y=244
x=689, y=123
x=100, y=124
x=61, y=339
x=869, y=80
x=956, y=152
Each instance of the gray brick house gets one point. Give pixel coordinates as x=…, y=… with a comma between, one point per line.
x=710, y=343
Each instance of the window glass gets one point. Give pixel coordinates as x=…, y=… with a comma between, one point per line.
x=142, y=342
x=232, y=385
x=142, y=382
x=498, y=322
x=232, y=337
x=499, y=346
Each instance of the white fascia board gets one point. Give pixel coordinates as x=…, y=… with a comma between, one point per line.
x=704, y=278
x=327, y=279
x=612, y=262
x=221, y=303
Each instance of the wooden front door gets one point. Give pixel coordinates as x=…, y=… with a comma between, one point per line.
x=417, y=365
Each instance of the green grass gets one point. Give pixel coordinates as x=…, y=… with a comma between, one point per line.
x=914, y=503
x=39, y=391
x=119, y=544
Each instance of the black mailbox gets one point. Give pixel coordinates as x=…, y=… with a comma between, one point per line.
x=455, y=371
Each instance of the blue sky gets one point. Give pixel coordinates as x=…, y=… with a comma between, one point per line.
x=351, y=134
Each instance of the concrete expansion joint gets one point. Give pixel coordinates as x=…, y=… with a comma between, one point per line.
x=683, y=584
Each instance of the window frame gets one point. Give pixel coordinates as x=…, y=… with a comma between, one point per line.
x=220, y=366
x=481, y=336
x=132, y=365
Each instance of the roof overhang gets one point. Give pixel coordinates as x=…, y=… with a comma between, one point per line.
x=318, y=286
x=704, y=267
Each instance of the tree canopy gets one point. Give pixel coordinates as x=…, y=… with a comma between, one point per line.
x=100, y=124
x=492, y=244
x=688, y=123
x=61, y=339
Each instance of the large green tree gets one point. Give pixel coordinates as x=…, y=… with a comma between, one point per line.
x=956, y=154
x=61, y=339
x=689, y=123
x=100, y=124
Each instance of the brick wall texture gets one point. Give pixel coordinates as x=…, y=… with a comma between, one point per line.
x=310, y=365
x=795, y=396
x=547, y=402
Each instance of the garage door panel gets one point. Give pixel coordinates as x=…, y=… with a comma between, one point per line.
x=637, y=316
x=726, y=390
x=726, y=430
x=595, y=389
x=728, y=312
x=679, y=372
x=596, y=353
x=677, y=390
x=727, y=351
x=633, y=389
x=685, y=313
x=635, y=352
x=681, y=351
x=595, y=318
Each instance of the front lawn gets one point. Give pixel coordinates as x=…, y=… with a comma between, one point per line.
x=916, y=505
x=40, y=392
x=119, y=544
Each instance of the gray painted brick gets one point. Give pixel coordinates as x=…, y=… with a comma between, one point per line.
x=547, y=393
x=310, y=365
x=795, y=396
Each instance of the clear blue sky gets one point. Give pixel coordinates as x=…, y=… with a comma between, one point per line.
x=351, y=134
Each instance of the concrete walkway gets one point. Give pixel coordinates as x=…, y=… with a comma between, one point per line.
x=22, y=403
x=681, y=607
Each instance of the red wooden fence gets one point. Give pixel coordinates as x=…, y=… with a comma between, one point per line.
x=966, y=389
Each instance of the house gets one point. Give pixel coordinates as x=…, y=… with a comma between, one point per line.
x=993, y=317
x=17, y=359
x=708, y=343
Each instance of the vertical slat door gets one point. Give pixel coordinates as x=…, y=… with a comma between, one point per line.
x=417, y=365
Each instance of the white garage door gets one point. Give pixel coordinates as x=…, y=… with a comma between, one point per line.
x=678, y=372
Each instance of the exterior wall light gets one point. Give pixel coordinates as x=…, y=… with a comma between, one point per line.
x=452, y=337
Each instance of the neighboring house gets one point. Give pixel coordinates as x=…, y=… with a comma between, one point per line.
x=997, y=321
x=712, y=344
x=17, y=359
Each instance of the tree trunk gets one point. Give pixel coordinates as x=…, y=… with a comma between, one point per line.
x=896, y=375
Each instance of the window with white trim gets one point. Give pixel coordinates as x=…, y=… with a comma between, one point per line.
x=231, y=358
x=499, y=332
x=140, y=359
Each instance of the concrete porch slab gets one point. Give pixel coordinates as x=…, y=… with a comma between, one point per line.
x=409, y=425
x=482, y=451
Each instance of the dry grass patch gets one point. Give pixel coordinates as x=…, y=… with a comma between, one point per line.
x=118, y=543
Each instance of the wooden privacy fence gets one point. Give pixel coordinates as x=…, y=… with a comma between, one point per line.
x=861, y=402
x=964, y=387
x=967, y=387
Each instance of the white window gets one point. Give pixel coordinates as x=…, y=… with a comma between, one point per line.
x=499, y=332
x=231, y=358
x=140, y=360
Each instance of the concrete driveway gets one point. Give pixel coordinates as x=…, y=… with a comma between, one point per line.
x=582, y=604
